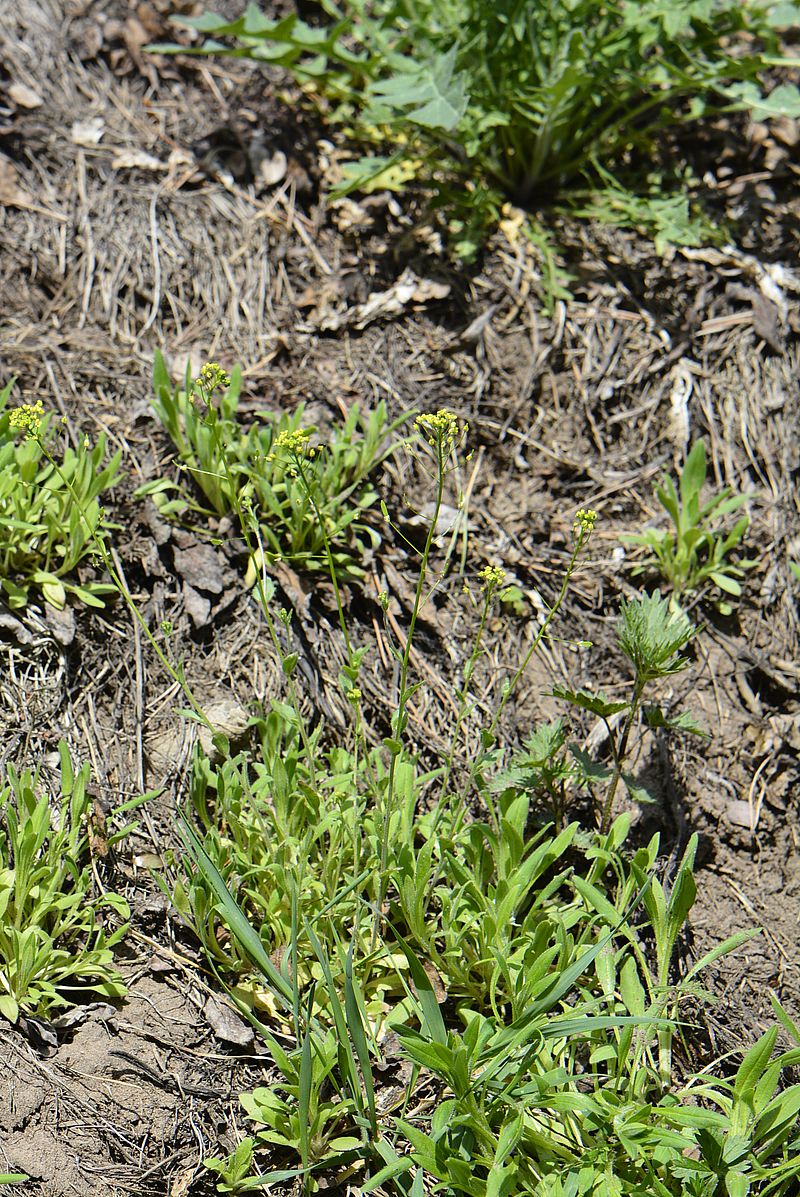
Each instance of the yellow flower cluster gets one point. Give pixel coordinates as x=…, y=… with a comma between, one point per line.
x=585, y=520
x=212, y=376
x=295, y=443
x=439, y=427
x=491, y=576
x=27, y=417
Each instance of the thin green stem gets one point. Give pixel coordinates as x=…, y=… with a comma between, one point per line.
x=401, y=716
x=328, y=553
x=463, y=696
x=261, y=574
x=619, y=754
x=511, y=686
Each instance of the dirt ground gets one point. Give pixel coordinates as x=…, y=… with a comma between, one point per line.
x=136, y=213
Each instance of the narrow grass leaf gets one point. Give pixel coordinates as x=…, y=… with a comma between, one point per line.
x=234, y=916
x=429, y=1005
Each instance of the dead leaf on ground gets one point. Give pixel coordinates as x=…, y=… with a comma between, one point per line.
x=228, y=718
x=61, y=623
x=10, y=623
x=183, y=1181
x=12, y=193
x=196, y=605
x=408, y=291
x=200, y=566
x=273, y=170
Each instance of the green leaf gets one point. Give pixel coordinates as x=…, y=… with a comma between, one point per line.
x=726, y=583
x=693, y=475
x=431, y=95
x=432, y=1021
x=597, y=704
x=684, y=722
x=783, y=100
x=234, y=916
x=9, y=1007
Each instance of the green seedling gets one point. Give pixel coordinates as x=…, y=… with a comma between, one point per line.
x=55, y=942
x=696, y=551
x=50, y=514
x=233, y=1171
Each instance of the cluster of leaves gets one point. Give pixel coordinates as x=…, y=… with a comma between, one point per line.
x=236, y=469
x=696, y=551
x=50, y=515
x=54, y=942
x=518, y=99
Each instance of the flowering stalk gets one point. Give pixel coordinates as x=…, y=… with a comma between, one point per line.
x=582, y=529
x=491, y=578
x=440, y=430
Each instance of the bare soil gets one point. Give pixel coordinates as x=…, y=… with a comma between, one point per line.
x=134, y=215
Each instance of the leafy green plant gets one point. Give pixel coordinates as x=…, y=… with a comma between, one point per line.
x=294, y=518
x=234, y=1170
x=696, y=550
x=551, y=768
x=750, y=1142
x=50, y=515
x=349, y=900
x=54, y=943
x=515, y=99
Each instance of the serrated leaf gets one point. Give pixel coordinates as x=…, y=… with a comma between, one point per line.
x=783, y=100
x=589, y=771
x=432, y=96
x=684, y=722
x=597, y=704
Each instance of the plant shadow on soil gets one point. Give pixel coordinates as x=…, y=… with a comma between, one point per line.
x=104, y=263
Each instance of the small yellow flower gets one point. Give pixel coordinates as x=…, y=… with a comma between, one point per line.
x=294, y=443
x=491, y=576
x=354, y=696
x=212, y=376
x=585, y=520
x=438, y=428
x=27, y=417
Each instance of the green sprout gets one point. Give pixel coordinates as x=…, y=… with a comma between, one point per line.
x=695, y=551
